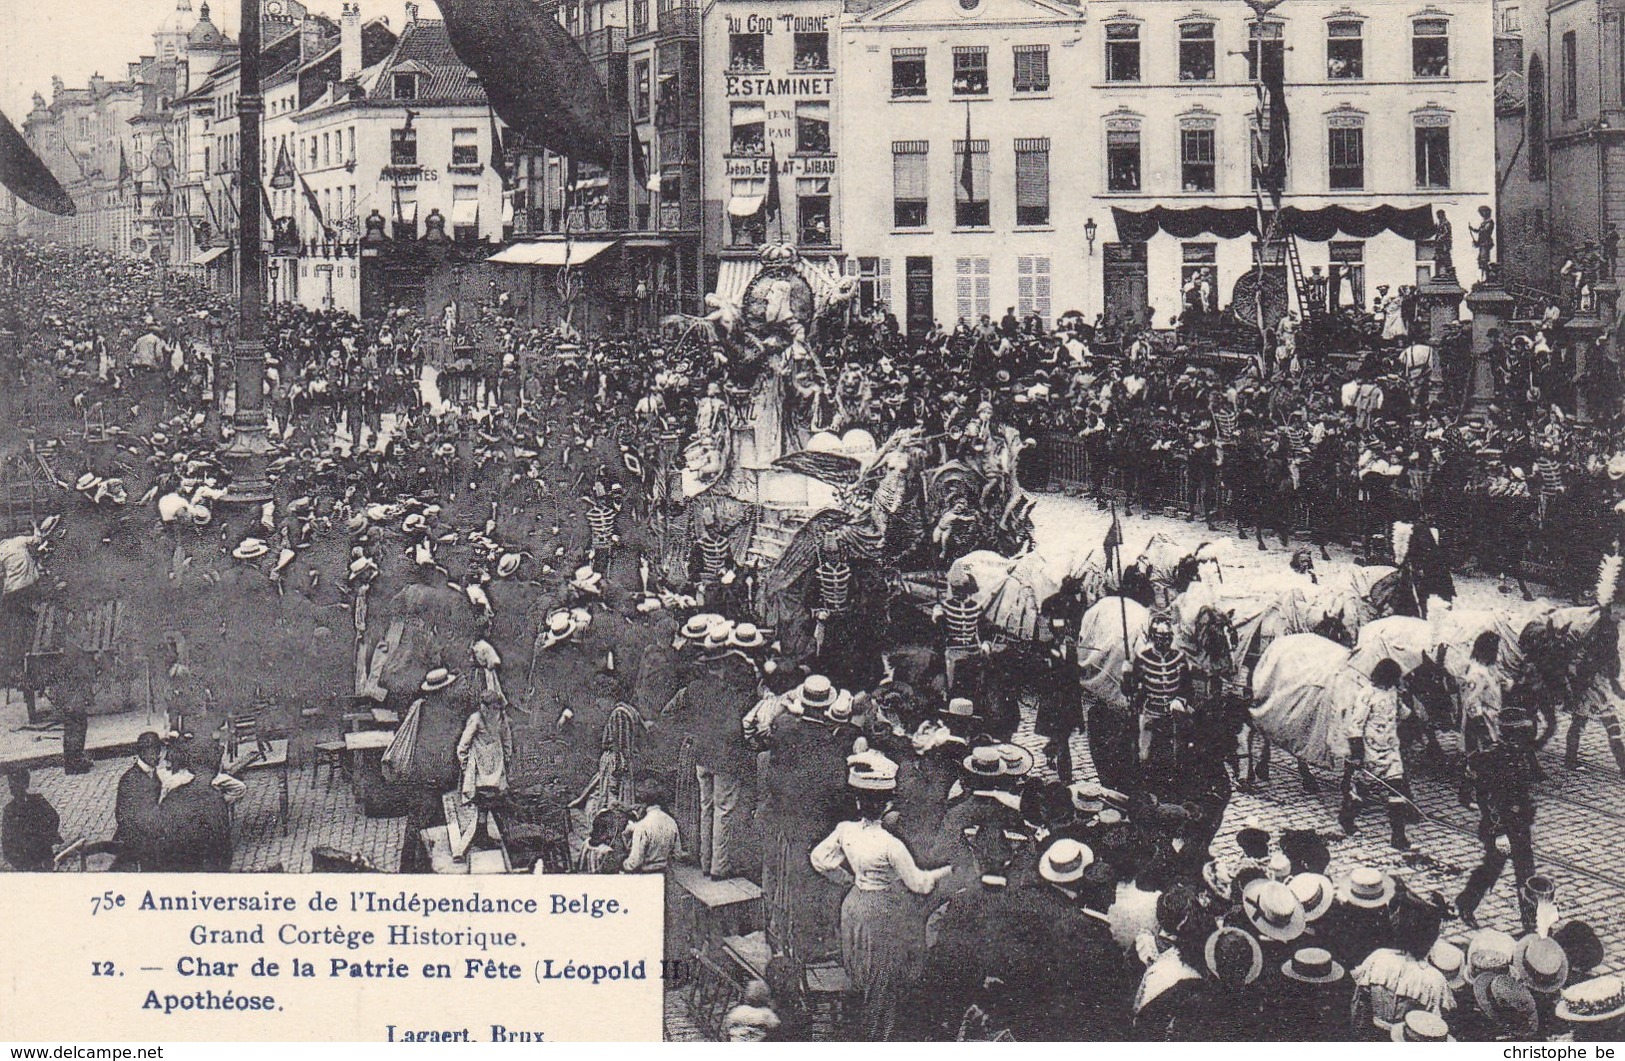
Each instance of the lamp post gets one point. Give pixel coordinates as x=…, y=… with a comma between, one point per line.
x=245, y=456
x=271, y=271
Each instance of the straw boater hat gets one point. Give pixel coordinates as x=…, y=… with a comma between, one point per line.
x=1490, y=950
x=1314, y=891
x=869, y=770
x=1064, y=861
x=696, y=626
x=1588, y=1002
x=1234, y=938
x=817, y=695
x=1450, y=960
x=1273, y=909
x=250, y=549
x=587, y=580
x=562, y=625
x=1312, y=965
x=985, y=762
x=1540, y=963
x=1422, y=1026
x=437, y=679
x=717, y=635
x=507, y=565
x=747, y=635
x=1367, y=887
x=1018, y=761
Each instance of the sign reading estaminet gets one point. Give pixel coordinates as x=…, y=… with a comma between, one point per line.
x=354, y=958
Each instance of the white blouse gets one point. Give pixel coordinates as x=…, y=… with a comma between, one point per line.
x=876, y=858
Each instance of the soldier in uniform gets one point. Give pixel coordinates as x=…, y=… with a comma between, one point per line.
x=1506, y=810
x=1158, y=685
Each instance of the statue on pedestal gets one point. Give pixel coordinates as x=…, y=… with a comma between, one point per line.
x=1444, y=242
x=1484, y=239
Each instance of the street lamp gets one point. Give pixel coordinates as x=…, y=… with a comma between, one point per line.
x=272, y=270
x=1089, y=231
x=246, y=454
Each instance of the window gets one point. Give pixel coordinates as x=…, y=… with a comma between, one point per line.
x=1535, y=140
x=641, y=89
x=1348, y=268
x=1345, y=51
x=1345, y=157
x=465, y=147
x=351, y=212
x=1424, y=261
x=1196, y=52
x=874, y=282
x=812, y=211
x=313, y=150
x=403, y=147
x=812, y=127
x=973, y=289
x=327, y=153
x=1032, y=68
x=1571, y=74
x=465, y=212
x=1198, y=275
x=1432, y=151
x=907, y=72
x=1511, y=19
x=812, y=51
x=749, y=124
x=1122, y=51
x=909, y=181
x=746, y=52
x=1266, y=48
x=972, y=208
x=1123, y=160
x=1430, y=48
x=747, y=220
x=640, y=16
x=352, y=143
x=406, y=213
x=1032, y=181
x=1196, y=157
x=970, y=71
x=1032, y=287
x=406, y=86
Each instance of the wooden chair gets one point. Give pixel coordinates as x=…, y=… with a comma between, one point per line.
x=252, y=746
x=711, y=992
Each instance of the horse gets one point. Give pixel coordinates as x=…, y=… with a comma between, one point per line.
x=1111, y=634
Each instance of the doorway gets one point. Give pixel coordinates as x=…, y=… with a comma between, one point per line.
x=1127, y=282
x=920, y=297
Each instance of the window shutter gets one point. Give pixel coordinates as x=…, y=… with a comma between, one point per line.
x=965, y=288
x=1032, y=173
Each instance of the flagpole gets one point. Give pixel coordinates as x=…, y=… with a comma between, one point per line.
x=1116, y=559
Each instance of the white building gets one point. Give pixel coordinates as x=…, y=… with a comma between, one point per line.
x=1391, y=104
x=967, y=171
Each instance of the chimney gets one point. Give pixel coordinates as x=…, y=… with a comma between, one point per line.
x=411, y=13
x=57, y=88
x=133, y=71
x=310, y=39
x=350, y=42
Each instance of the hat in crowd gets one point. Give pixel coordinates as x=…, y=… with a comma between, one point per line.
x=1274, y=911
x=1490, y=950
x=437, y=679
x=717, y=635
x=1580, y=942
x=1367, y=887
x=747, y=635
x=870, y=770
x=1506, y=1003
x=1312, y=965
x=1450, y=960
x=507, y=564
x=1422, y=1026
x=1088, y=797
x=1065, y=861
x=1234, y=957
x=697, y=626
x=985, y=762
x=88, y=481
x=1601, y=998
x=1616, y=466
x=250, y=549
x=1218, y=879
x=414, y=521
x=960, y=707
x=1254, y=842
x=587, y=580
x=1279, y=867
x=1315, y=891
x=1540, y=963
x=818, y=695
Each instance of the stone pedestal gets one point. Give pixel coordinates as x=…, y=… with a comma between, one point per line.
x=1491, y=308
x=1585, y=335
x=1439, y=301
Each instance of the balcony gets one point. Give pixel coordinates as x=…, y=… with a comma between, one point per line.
x=679, y=22
x=588, y=219
x=611, y=40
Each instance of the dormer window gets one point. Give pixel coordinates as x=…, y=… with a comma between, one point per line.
x=406, y=86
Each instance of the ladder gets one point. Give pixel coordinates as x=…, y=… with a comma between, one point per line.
x=1308, y=306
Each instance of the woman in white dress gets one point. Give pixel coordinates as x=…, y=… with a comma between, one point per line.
x=484, y=749
x=882, y=924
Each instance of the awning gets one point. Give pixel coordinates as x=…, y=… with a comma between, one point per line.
x=734, y=276
x=465, y=212
x=745, y=205
x=209, y=255
x=1412, y=223
x=552, y=252
x=589, y=182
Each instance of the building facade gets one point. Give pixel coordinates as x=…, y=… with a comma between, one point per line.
x=85, y=137
x=1390, y=104
x=770, y=75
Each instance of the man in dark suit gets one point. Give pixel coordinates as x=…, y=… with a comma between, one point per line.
x=135, y=811
x=194, y=828
x=30, y=828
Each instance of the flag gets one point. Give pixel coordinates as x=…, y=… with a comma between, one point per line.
x=123, y=170
x=282, y=174
x=310, y=201
x=1271, y=138
x=499, y=156
x=770, y=203
x=967, y=172
x=22, y=173
x=1114, y=537
x=537, y=78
